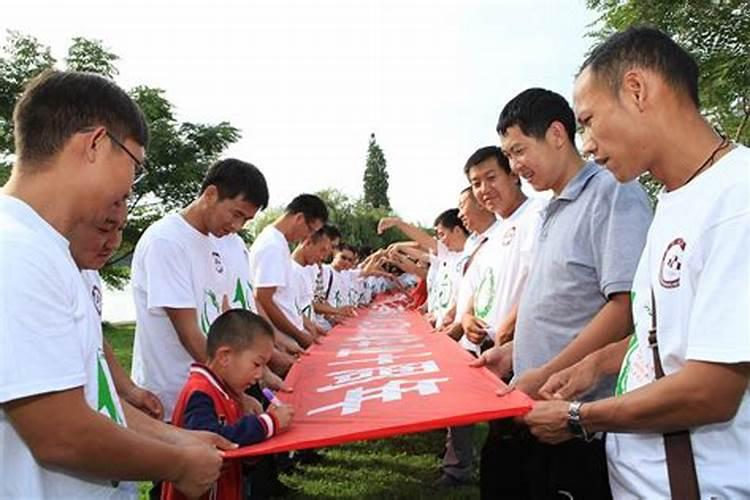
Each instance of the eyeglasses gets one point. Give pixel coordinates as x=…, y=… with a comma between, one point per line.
x=140, y=165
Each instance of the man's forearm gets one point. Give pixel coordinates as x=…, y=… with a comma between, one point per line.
x=698, y=394
x=85, y=442
x=282, y=323
x=611, y=324
x=123, y=383
x=185, y=323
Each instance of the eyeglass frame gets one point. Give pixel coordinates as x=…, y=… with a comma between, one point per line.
x=141, y=166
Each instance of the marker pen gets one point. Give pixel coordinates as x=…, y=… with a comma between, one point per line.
x=270, y=396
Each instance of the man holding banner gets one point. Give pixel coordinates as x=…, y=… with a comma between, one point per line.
x=681, y=413
x=577, y=297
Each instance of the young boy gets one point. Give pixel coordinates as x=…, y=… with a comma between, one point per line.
x=239, y=345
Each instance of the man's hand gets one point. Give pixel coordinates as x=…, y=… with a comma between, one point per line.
x=202, y=459
x=572, y=382
x=528, y=383
x=386, y=223
x=274, y=382
x=548, y=421
x=474, y=328
x=283, y=414
x=499, y=360
x=250, y=405
x=146, y=401
x=503, y=335
x=200, y=469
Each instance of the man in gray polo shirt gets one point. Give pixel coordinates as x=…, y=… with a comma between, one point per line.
x=577, y=298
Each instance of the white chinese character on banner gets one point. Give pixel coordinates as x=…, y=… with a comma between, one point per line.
x=359, y=376
x=382, y=359
x=391, y=391
x=346, y=352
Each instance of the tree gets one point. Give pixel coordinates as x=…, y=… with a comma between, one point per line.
x=179, y=153
x=376, y=177
x=716, y=33
x=356, y=219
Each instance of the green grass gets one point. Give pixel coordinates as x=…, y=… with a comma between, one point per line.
x=399, y=467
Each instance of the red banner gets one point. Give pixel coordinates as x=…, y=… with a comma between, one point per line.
x=382, y=374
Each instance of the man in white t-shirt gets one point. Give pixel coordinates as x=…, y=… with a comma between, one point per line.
x=79, y=141
x=482, y=224
x=271, y=272
x=498, y=272
x=305, y=261
x=179, y=278
x=636, y=98
x=91, y=246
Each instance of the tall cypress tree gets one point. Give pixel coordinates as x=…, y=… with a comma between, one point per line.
x=376, y=176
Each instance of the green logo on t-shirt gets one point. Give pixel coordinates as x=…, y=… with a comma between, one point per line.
x=105, y=393
x=621, y=386
x=210, y=305
x=485, y=295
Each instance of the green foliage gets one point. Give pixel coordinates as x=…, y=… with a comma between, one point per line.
x=178, y=156
x=89, y=55
x=376, y=177
x=21, y=58
x=716, y=33
x=356, y=219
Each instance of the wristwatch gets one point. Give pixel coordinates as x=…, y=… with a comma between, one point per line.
x=575, y=425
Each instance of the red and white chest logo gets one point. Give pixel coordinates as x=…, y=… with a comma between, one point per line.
x=671, y=264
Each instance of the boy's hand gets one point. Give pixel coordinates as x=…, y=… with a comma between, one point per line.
x=283, y=414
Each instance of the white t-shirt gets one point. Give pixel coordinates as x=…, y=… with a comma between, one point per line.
x=50, y=340
x=305, y=283
x=449, y=270
x=271, y=266
x=499, y=269
x=174, y=266
x=696, y=260
x=338, y=291
x=472, y=247
x=234, y=254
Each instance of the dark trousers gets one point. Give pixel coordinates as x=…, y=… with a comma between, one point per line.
x=516, y=465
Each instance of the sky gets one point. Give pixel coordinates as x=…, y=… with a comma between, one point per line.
x=307, y=81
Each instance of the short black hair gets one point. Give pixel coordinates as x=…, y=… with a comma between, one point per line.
x=331, y=231
x=534, y=110
x=346, y=246
x=309, y=205
x=486, y=153
x=450, y=219
x=318, y=235
x=55, y=105
x=234, y=177
x=238, y=329
x=644, y=47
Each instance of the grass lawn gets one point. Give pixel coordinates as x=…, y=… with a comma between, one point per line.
x=400, y=467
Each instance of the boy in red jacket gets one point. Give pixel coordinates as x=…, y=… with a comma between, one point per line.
x=239, y=345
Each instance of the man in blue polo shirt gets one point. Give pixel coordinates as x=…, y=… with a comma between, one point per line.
x=577, y=297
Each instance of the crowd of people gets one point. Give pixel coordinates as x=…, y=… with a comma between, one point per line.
x=614, y=318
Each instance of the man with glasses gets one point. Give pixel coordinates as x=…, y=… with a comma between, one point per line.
x=271, y=274
x=55, y=440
